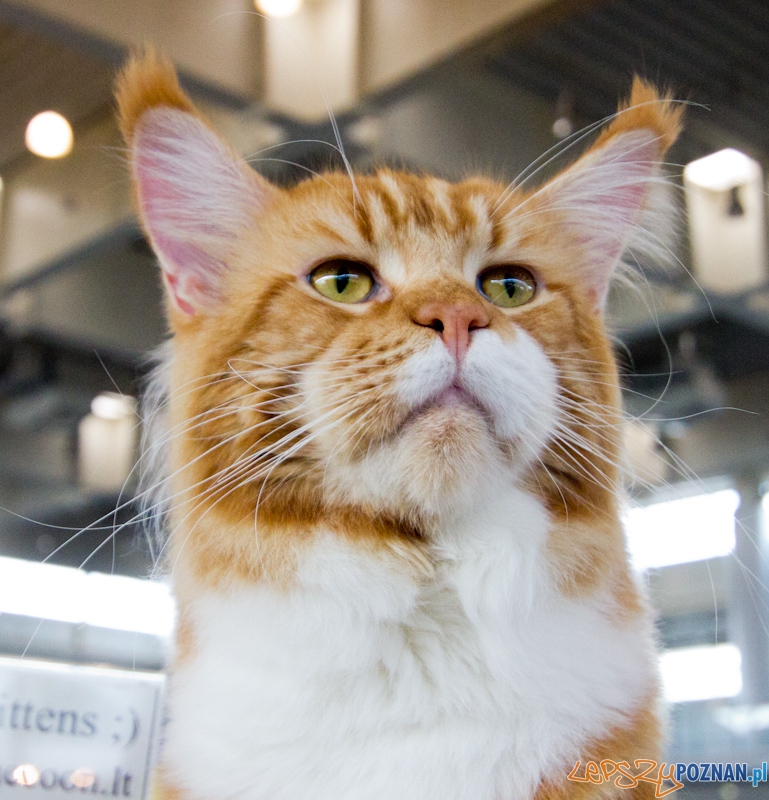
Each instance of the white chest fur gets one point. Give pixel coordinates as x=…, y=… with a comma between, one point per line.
x=361, y=684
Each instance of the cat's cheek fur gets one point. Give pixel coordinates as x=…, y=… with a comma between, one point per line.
x=360, y=680
x=425, y=374
x=496, y=371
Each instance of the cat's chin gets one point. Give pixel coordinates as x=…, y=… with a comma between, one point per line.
x=435, y=465
x=446, y=428
x=444, y=412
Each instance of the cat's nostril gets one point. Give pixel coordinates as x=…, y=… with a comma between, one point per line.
x=454, y=323
x=445, y=318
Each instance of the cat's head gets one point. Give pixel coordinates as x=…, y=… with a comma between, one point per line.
x=389, y=342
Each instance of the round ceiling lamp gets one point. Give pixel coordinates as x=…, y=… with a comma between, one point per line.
x=278, y=8
x=49, y=135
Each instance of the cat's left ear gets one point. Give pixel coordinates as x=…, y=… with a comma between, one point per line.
x=600, y=201
x=194, y=195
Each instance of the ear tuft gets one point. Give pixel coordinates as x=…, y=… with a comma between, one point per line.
x=195, y=196
x=650, y=109
x=146, y=81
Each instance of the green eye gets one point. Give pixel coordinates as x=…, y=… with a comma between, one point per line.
x=508, y=286
x=343, y=281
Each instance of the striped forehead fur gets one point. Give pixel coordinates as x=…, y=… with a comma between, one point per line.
x=398, y=202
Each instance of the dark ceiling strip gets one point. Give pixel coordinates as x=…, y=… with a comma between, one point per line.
x=117, y=236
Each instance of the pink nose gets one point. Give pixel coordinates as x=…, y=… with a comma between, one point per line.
x=454, y=322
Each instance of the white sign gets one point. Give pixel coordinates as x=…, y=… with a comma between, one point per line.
x=73, y=731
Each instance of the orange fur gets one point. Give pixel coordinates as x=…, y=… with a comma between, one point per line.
x=147, y=80
x=271, y=326
x=646, y=108
x=638, y=740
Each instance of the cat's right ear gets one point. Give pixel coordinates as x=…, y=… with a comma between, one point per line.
x=194, y=195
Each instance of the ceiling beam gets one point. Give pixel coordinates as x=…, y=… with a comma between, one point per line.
x=330, y=55
x=215, y=42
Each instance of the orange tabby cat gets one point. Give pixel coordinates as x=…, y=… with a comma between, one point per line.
x=393, y=430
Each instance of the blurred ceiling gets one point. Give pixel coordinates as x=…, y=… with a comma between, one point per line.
x=37, y=73
x=706, y=51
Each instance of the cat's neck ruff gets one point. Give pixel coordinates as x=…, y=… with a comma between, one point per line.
x=361, y=681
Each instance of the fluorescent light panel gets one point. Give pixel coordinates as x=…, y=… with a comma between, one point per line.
x=701, y=673
x=681, y=531
x=66, y=594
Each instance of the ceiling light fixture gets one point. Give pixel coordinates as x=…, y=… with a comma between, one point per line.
x=722, y=171
x=563, y=127
x=49, y=135
x=278, y=8
x=725, y=204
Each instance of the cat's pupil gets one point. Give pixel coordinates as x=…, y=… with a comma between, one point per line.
x=341, y=282
x=510, y=285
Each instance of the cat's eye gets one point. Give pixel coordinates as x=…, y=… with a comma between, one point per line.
x=507, y=286
x=343, y=281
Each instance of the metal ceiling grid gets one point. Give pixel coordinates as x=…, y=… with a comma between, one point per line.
x=706, y=51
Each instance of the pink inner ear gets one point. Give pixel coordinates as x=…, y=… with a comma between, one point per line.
x=172, y=285
x=624, y=205
x=195, y=198
x=603, y=197
x=191, y=286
